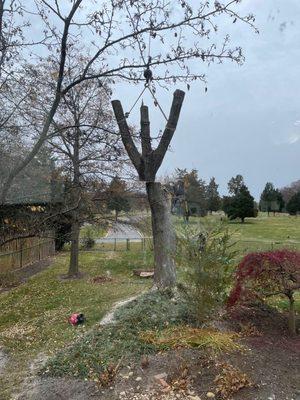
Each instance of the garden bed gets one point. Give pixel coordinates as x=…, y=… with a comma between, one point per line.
x=123, y=363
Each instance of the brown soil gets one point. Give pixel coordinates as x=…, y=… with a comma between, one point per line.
x=101, y=279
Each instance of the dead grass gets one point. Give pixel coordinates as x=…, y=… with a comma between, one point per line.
x=185, y=336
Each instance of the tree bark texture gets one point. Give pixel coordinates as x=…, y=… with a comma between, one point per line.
x=74, y=266
x=75, y=198
x=292, y=317
x=163, y=235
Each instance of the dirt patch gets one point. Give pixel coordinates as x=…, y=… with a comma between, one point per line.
x=267, y=320
x=3, y=361
x=66, y=277
x=101, y=279
x=58, y=389
x=190, y=374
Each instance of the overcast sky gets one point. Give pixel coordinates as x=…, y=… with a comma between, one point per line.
x=249, y=120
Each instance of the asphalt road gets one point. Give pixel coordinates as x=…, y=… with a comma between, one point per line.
x=121, y=231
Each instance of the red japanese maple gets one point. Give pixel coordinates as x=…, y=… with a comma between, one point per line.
x=266, y=274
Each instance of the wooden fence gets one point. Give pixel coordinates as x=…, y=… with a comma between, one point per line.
x=22, y=252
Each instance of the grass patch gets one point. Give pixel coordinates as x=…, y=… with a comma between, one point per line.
x=105, y=346
x=34, y=315
x=257, y=234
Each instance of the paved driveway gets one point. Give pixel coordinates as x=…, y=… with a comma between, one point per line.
x=121, y=231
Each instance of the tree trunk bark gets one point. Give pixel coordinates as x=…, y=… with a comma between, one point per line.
x=75, y=196
x=73, y=266
x=292, y=319
x=163, y=236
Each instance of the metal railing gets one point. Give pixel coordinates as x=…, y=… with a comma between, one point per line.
x=121, y=244
x=143, y=243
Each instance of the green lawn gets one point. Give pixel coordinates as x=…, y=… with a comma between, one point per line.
x=34, y=315
x=261, y=233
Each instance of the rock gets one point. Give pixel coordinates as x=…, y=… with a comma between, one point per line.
x=130, y=373
x=210, y=395
x=138, y=378
x=145, y=362
x=161, y=376
x=194, y=398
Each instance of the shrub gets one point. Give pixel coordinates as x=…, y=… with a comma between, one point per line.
x=208, y=260
x=265, y=274
x=88, y=241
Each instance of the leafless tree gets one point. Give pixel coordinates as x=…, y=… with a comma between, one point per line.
x=126, y=27
x=86, y=147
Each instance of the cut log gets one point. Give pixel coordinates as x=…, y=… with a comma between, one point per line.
x=143, y=273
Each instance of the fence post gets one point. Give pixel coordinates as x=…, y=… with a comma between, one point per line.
x=115, y=244
x=127, y=244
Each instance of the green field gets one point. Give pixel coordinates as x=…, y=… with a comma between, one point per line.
x=257, y=234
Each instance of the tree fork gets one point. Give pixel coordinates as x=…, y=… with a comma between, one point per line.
x=147, y=164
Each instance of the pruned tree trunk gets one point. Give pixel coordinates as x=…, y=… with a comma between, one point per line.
x=163, y=235
x=74, y=265
x=147, y=163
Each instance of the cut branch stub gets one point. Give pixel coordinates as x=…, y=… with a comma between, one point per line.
x=148, y=162
x=170, y=128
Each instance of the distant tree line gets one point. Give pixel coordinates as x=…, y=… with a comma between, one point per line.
x=193, y=196
x=286, y=199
